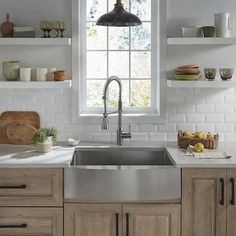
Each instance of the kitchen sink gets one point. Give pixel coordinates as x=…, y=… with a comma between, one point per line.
x=121, y=174
x=122, y=157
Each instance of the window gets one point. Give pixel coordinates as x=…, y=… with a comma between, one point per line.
x=127, y=52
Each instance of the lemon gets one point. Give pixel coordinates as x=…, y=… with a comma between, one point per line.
x=188, y=134
x=199, y=135
x=199, y=147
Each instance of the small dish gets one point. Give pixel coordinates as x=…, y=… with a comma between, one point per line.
x=191, y=31
x=226, y=73
x=73, y=142
x=210, y=73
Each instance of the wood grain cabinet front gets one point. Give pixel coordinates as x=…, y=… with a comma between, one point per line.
x=122, y=220
x=18, y=221
x=31, y=187
x=208, y=202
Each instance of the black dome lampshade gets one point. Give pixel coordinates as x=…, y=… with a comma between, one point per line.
x=119, y=17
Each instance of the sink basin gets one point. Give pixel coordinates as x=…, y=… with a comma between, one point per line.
x=122, y=174
x=122, y=157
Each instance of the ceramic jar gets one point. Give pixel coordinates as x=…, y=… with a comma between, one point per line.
x=11, y=70
x=59, y=75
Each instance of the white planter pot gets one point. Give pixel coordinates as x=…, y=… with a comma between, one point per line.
x=45, y=147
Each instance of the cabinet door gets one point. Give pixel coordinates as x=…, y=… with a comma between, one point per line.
x=231, y=202
x=92, y=219
x=203, y=202
x=151, y=220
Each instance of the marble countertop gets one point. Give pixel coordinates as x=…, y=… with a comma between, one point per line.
x=25, y=156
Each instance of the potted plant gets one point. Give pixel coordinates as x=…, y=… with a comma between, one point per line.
x=44, y=139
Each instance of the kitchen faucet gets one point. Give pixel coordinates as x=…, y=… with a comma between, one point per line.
x=120, y=134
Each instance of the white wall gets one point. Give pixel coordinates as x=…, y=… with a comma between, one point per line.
x=191, y=109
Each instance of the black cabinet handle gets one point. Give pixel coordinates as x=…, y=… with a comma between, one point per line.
x=22, y=226
x=232, y=191
x=117, y=224
x=127, y=224
x=222, y=200
x=23, y=186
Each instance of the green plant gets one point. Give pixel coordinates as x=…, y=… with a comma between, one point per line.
x=42, y=135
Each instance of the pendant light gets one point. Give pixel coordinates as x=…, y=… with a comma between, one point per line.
x=119, y=17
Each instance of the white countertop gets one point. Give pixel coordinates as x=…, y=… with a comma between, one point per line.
x=25, y=156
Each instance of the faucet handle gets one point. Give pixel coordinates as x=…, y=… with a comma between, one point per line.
x=129, y=128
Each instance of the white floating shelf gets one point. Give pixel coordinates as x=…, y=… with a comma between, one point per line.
x=201, y=84
x=35, y=84
x=36, y=41
x=201, y=41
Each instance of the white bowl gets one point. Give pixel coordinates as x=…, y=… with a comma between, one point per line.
x=192, y=31
x=72, y=141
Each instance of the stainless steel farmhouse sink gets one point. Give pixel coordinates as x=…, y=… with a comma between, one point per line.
x=121, y=174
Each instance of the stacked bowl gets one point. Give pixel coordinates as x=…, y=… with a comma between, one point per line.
x=188, y=72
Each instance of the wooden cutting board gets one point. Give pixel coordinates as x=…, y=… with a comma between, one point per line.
x=21, y=117
x=19, y=133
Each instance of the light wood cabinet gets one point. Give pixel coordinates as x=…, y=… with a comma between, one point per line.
x=92, y=219
x=19, y=221
x=208, y=202
x=151, y=220
x=231, y=204
x=118, y=219
x=31, y=187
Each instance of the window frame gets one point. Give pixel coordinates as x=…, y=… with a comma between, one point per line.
x=158, y=112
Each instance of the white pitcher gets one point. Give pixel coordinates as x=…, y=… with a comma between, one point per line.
x=225, y=24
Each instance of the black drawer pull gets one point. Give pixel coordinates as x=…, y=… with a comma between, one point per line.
x=232, y=191
x=22, y=226
x=23, y=186
x=117, y=224
x=222, y=200
x=127, y=224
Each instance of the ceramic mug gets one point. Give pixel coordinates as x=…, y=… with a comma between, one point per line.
x=11, y=70
x=209, y=31
x=50, y=75
x=25, y=74
x=225, y=24
x=210, y=73
x=226, y=73
x=41, y=74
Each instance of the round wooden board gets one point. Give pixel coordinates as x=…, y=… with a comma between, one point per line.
x=19, y=133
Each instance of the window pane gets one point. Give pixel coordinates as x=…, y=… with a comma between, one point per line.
x=96, y=8
x=140, y=64
x=141, y=8
x=141, y=37
x=96, y=37
x=119, y=64
x=141, y=93
x=119, y=38
x=94, y=93
x=112, y=2
x=96, y=64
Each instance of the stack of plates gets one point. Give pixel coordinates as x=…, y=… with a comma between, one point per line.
x=188, y=72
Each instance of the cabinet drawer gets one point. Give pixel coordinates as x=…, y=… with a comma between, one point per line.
x=31, y=187
x=31, y=221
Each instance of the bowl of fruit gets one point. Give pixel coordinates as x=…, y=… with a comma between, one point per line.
x=186, y=138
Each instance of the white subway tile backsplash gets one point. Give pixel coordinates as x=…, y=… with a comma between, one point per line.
x=139, y=136
x=167, y=127
x=157, y=137
x=205, y=109
x=176, y=118
x=195, y=118
x=148, y=128
x=224, y=108
x=206, y=127
x=186, y=126
x=215, y=118
x=227, y=128
x=230, y=117
x=216, y=99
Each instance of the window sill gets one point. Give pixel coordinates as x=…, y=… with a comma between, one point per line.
x=126, y=118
